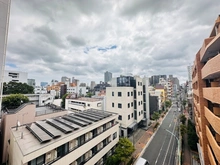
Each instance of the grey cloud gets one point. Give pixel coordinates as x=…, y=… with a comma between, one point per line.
x=50, y=35
x=76, y=41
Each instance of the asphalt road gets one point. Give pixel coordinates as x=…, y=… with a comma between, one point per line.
x=162, y=148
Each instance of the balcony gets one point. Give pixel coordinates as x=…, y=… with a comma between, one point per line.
x=212, y=94
x=200, y=123
x=211, y=69
x=213, y=120
x=211, y=157
x=215, y=147
x=210, y=45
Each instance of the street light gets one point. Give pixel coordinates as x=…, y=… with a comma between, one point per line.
x=178, y=144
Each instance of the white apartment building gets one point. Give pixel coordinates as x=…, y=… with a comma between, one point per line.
x=169, y=89
x=40, y=90
x=130, y=99
x=87, y=138
x=15, y=76
x=84, y=103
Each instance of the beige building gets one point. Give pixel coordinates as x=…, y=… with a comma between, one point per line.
x=130, y=99
x=206, y=97
x=87, y=138
x=24, y=114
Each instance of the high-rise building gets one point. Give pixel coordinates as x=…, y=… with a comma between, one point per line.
x=4, y=21
x=31, y=82
x=107, y=76
x=206, y=96
x=154, y=80
x=43, y=84
x=189, y=68
x=92, y=85
x=65, y=79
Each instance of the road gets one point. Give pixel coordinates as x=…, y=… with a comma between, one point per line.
x=162, y=148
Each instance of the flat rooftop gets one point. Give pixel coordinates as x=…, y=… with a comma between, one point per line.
x=43, y=133
x=88, y=99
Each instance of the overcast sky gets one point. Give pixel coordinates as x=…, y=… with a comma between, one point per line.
x=85, y=38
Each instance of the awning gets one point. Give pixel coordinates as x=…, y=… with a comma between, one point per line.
x=132, y=125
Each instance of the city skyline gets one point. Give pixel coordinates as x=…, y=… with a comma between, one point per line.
x=136, y=37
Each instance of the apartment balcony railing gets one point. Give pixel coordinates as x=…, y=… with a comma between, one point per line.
x=213, y=144
x=79, y=145
x=196, y=92
x=212, y=94
x=213, y=120
x=207, y=47
x=211, y=157
x=211, y=68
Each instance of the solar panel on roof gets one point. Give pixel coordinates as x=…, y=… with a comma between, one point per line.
x=89, y=115
x=97, y=114
x=80, y=123
x=59, y=126
x=86, y=117
x=53, y=132
x=38, y=133
x=67, y=123
x=100, y=113
x=81, y=119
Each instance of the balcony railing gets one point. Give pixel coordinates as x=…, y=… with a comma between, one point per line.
x=211, y=157
x=69, y=151
x=211, y=68
x=215, y=147
x=212, y=94
x=213, y=120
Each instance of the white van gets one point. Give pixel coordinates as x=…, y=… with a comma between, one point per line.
x=142, y=161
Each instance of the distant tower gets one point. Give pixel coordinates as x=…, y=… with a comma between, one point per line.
x=92, y=85
x=107, y=76
x=189, y=68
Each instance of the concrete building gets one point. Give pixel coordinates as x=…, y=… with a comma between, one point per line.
x=4, y=23
x=107, y=77
x=26, y=113
x=65, y=79
x=84, y=138
x=76, y=104
x=40, y=90
x=31, y=82
x=189, y=69
x=130, y=99
x=154, y=80
x=206, y=97
x=15, y=76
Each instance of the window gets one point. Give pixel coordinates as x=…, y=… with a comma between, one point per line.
x=119, y=105
x=139, y=103
x=128, y=105
x=112, y=93
x=62, y=150
x=131, y=104
x=138, y=83
x=114, y=135
x=128, y=117
x=119, y=117
x=141, y=92
x=113, y=105
x=131, y=93
x=88, y=105
x=128, y=94
x=138, y=93
x=139, y=113
x=39, y=160
x=132, y=115
x=119, y=94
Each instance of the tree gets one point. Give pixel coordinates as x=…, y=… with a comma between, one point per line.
x=155, y=116
x=122, y=153
x=183, y=129
x=192, y=136
x=89, y=94
x=63, y=102
x=14, y=100
x=168, y=103
x=182, y=119
x=16, y=88
x=184, y=103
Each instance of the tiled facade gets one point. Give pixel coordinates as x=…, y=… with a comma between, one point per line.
x=206, y=97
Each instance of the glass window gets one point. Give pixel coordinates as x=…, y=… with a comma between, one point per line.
x=119, y=105
x=131, y=104
x=113, y=105
x=128, y=105
x=131, y=93
x=132, y=115
x=128, y=93
x=112, y=93
x=38, y=161
x=128, y=117
x=119, y=94
x=119, y=117
x=114, y=135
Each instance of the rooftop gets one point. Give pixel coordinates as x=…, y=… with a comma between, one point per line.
x=88, y=99
x=43, y=133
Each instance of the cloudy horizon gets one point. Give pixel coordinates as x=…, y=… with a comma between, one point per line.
x=83, y=39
